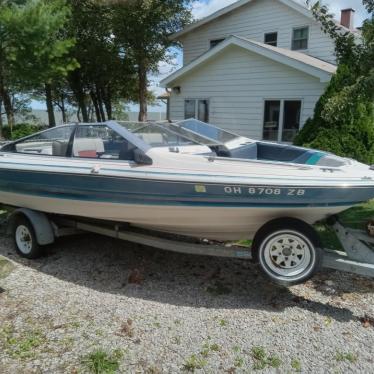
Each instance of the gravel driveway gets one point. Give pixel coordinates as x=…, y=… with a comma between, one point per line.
x=98, y=304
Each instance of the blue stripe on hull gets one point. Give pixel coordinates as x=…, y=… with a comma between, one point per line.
x=152, y=192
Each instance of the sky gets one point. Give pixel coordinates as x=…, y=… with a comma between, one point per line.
x=202, y=8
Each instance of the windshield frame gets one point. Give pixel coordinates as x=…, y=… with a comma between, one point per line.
x=208, y=125
x=164, y=127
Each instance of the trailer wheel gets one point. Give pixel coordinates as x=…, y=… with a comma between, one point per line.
x=288, y=251
x=24, y=238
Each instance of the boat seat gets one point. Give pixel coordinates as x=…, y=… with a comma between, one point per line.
x=248, y=152
x=88, y=147
x=59, y=148
x=126, y=152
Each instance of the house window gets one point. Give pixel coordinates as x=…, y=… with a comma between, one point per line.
x=196, y=108
x=281, y=120
x=300, y=38
x=271, y=38
x=189, y=109
x=215, y=42
x=271, y=120
x=291, y=120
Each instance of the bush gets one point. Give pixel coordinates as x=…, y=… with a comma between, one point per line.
x=348, y=132
x=21, y=130
x=343, y=121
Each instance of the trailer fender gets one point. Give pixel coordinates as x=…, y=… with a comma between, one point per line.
x=42, y=225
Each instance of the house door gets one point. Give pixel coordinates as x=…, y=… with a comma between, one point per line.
x=281, y=120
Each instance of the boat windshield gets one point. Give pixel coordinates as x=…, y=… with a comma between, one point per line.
x=192, y=135
x=157, y=135
x=208, y=131
x=132, y=126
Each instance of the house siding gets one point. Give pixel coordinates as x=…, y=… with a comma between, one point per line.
x=252, y=21
x=237, y=82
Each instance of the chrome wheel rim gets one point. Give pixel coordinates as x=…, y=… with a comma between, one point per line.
x=288, y=254
x=24, y=239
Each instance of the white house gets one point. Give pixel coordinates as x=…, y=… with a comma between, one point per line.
x=256, y=67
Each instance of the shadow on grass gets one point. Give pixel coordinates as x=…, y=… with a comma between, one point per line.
x=358, y=217
x=355, y=218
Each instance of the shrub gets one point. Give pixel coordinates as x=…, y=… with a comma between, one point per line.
x=348, y=132
x=343, y=121
x=21, y=130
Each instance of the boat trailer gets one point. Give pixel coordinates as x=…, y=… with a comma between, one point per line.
x=358, y=257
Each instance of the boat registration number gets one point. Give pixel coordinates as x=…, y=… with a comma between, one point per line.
x=258, y=191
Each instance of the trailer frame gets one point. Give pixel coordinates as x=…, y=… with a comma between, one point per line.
x=358, y=257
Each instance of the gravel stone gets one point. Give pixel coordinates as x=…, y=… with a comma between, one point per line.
x=179, y=312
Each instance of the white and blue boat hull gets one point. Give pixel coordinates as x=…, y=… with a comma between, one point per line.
x=200, y=203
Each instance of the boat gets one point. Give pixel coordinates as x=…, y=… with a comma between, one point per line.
x=151, y=176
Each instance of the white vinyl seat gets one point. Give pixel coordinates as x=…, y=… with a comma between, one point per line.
x=88, y=147
x=59, y=148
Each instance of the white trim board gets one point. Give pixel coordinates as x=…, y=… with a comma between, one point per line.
x=299, y=61
x=290, y=3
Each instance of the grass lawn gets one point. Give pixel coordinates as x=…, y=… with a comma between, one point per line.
x=355, y=218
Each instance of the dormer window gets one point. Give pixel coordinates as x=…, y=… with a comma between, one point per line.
x=271, y=38
x=215, y=42
x=300, y=38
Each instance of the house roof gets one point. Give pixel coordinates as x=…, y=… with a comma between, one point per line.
x=290, y=3
x=238, y=4
x=299, y=61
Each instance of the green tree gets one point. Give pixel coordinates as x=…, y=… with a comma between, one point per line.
x=343, y=120
x=142, y=29
x=31, y=49
x=106, y=75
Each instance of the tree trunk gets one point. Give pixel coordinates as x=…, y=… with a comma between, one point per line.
x=142, y=72
x=1, y=102
x=63, y=110
x=96, y=106
x=90, y=112
x=82, y=105
x=76, y=84
x=108, y=103
x=1, y=118
x=48, y=100
x=79, y=114
x=8, y=109
x=100, y=103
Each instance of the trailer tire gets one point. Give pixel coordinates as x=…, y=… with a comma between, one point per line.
x=288, y=251
x=25, y=242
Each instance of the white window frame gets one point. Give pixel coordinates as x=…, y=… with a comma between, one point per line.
x=281, y=115
x=308, y=38
x=196, y=106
